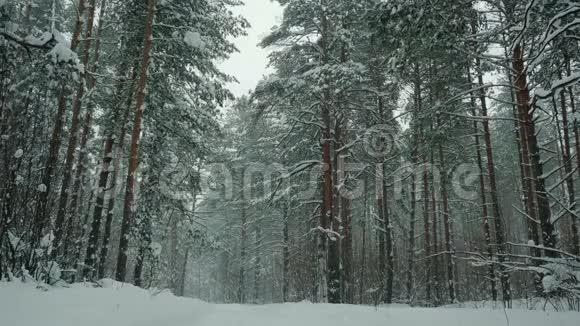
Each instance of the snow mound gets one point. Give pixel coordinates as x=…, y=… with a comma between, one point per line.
x=112, y=303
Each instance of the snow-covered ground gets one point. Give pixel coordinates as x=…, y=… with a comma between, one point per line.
x=126, y=305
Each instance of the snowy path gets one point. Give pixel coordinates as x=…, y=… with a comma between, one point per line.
x=23, y=305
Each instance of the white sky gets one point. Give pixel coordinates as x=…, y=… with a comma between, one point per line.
x=249, y=65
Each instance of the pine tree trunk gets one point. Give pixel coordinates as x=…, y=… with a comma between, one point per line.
x=73, y=213
x=525, y=170
x=450, y=250
x=118, y=156
x=257, y=264
x=94, y=235
x=435, y=239
x=328, y=261
x=285, y=254
x=144, y=249
x=78, y=24
x=567, y=158
x=347, y=251
x=574, y=222
x=243, y=251
x=364, y=243
x=427, y=235
x=530, y=142
x=413, y=211
x=135, y=139
x=484, y=203
x=73, y=132
x=385, y=235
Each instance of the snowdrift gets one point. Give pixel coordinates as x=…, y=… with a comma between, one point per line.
x=26, y=304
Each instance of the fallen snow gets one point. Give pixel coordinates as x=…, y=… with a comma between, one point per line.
x=125, y=305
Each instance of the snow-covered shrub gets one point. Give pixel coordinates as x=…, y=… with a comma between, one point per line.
x=561, y=280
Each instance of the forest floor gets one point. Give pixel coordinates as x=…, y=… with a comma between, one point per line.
x=125, y=305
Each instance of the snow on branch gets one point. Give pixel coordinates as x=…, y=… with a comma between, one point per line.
x=558, y=84
x=46, y=42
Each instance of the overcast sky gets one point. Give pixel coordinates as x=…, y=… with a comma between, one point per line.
x=249, y=65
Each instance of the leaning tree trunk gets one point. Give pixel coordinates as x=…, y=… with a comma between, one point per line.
x=135, y=139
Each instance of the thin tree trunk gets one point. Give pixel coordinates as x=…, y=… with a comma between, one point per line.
x=347, y=251
x=135, y=139
x=427, y=235
x=413, y=211
x=435, y=239
x=364, y=242
x=567, y=160
x=243, y=252
x=286, y=254
x=385, y=235
x=257, y=263
x=499, y=228
x=484, y=203
x=448, y=228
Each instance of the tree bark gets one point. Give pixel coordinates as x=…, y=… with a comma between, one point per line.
x=530, y=142
x=42, y=213
x=574, y=222
x=285, y=254
x=484, y=203
x=118, y=156
x=243, y=253
x=449, y=248
x=135, y=139
x=73, y=132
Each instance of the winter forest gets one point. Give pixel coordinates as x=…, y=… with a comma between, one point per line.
x=423, y=153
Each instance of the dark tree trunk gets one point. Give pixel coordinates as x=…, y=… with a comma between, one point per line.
x=531, y=143
x=450, y=250
x=92, y=248
x=574, y=219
